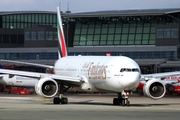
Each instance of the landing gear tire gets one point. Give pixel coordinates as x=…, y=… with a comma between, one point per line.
x=64, y=101
x=59, y=99
x=127, y=103
x=56, y=100
x=116, y=101
x=123, y=103
x=122, y=99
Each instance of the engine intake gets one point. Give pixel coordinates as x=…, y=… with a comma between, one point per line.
x=46, y=87
x=154, y=89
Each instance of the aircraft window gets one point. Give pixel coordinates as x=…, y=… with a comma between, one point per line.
x=135, y=70
x=129, y=70
x=122, y=70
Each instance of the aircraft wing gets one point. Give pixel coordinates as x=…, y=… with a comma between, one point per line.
x=159, y=75
x=26, y=63
x=2, y=75
x=77, y=81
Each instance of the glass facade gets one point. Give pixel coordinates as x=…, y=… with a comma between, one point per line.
x=95, y=31
x=167, y=33
x=133, y=55
x=44, y=34
x=90, y=31
x=41, y=35
x=117, y=31
x=29, y=56
x=11, y=38
x=27, y=20
x=54, y=55
x=123, y=30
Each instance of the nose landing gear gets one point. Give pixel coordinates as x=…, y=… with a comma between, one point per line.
x=122, y=99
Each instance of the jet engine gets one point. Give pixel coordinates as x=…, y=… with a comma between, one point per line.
x=154, y=89
x=46, y=87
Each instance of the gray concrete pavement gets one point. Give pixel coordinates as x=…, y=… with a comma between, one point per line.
x=87, y=107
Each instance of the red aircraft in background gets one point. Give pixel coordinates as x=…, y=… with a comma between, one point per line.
x=173, y=88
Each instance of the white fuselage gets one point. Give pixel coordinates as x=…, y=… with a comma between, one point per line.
x=102, y=73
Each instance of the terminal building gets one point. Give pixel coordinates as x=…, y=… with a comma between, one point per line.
x=150, y=37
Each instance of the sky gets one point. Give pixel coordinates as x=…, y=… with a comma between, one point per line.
x=76, y=6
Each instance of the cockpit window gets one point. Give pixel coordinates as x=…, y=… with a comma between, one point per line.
x=135, y=70
x=122, y=69
x=129, y=70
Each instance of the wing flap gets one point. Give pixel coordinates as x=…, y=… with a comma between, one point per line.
x=77, y=81
x=23, y=73
x=65, y=79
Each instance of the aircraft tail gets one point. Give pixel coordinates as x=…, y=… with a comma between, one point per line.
x=62, y=44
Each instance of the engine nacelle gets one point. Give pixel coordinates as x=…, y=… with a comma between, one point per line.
x=154, y=89
x=46, y=87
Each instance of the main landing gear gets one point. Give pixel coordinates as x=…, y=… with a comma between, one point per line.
x=59, y=99
x=122, y=99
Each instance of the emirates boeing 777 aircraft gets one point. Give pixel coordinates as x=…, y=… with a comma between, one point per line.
x=118, y=74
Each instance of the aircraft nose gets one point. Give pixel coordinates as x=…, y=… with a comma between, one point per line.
x=131, y=81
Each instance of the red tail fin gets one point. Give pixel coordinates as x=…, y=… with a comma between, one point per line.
x=61, y=38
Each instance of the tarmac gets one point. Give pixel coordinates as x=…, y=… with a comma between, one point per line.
x=88, y=107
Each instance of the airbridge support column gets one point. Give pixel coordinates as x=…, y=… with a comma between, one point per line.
x=157, y=68
x=149, y=66
x=147, y=69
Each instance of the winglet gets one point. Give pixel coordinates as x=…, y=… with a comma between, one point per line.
x=61, y=38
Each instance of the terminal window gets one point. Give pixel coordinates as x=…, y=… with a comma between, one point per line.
x=159, y=33
x=174, y=33
x=167, y=33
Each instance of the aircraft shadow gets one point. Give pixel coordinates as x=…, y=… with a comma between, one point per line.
x=132, y=105
x=92, y=102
